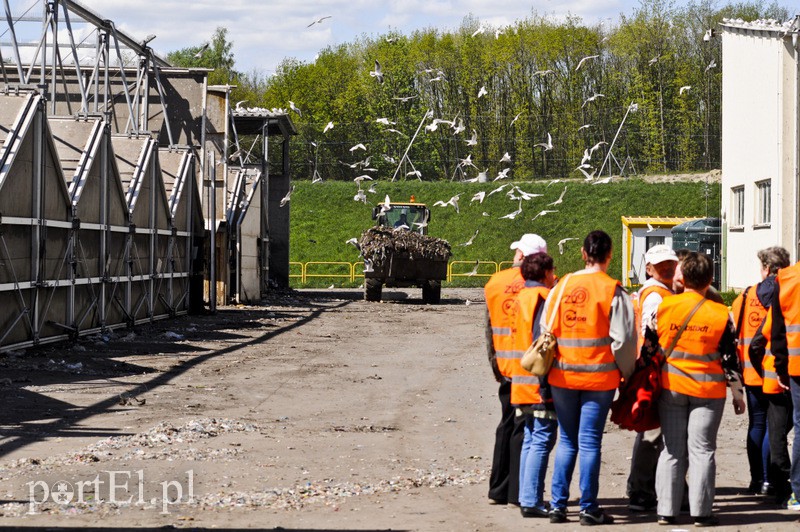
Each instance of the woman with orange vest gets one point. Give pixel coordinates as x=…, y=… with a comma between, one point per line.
x=531, y=394
x=764, y=399
x=694, y=380
x=501, y=291
x=595, y=331
x=784, y=335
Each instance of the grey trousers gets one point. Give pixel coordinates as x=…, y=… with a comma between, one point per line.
x=646, y=450
x=689, y=426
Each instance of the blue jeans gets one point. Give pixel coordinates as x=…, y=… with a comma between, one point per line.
x=540, y=436
x=757, y=434
x=581, y=418
x=794, y=386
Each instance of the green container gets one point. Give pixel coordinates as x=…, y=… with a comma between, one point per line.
x=704, y=236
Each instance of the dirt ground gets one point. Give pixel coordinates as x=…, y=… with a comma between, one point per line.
x=315, y=410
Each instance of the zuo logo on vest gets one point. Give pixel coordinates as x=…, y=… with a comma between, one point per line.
x=754, y=319
x=577, y=296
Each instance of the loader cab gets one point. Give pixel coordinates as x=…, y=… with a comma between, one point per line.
x=414, y=215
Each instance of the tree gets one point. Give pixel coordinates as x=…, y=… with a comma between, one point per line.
x=215, y=54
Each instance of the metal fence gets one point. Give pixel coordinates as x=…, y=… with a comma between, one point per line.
x=303, y=272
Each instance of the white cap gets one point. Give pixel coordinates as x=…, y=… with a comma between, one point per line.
x=530, y=244
x=659, y=253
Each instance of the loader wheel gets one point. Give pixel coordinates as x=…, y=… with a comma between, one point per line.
x=372, y=289
x=432, y=292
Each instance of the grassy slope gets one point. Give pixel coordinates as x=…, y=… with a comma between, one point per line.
x=326, y=213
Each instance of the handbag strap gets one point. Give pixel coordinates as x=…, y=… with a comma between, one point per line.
x=683, y=328
x=553, y=312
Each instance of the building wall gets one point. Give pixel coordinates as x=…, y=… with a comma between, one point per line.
x=757, y=118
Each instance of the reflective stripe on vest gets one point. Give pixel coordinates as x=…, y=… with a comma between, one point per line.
x=524, y=386
x=584, y=360
x=754, y=315
x=501, y=291
x=770, y=384
x=789, y=297
x=695, y=367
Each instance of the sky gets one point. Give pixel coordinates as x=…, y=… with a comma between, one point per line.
x=264, y=32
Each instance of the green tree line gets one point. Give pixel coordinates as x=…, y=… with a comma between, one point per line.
x=510, y=89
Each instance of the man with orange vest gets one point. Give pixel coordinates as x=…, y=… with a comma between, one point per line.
x=531, y=394
x=660, y=262
x=768, y=405
x=501, y=292
x=699, y=363
x=785, y=344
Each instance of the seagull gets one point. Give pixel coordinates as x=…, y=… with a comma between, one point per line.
x=541, y=213
x=414, y=172
x=543, y=72
x=650, y=228
x=515, y=119
x=553, y=182
x=471, y=240
x=390, y=130
x=526, y=195
x=474, y=140
x=371, y=189
x=587, y=156
x=474, y=270
x=588, y=57
x=585, y=126
x=368, y=266
x=420, y=224
x=235, y=155
x=506, y=158
x=512, y=215
x=458, y=128
x=331, y=287
x=481, y=178
x=498, y=189
x=452, y=201
x=294, y=108
x=712, y=64
x=592, y=98
x=361, y=178
x=385, y=122
x=709, y=34
x=480, y=30
x=467, y=162
x=404, y=98
x=653, y=61
x=597, y=146
x=328, y=127
x=684, y=89
x=319, y=20
x=377, y=73
x=502, y=174
x=548, y=146
x=353, y=241
x=386, y=205
x=202, y=49
x=433, y=126
x=497, y=34
x=479, y=196
x=360, y=196
x=287, y=197
x=560, y=198
x=603, y=181
x=239, y=104
x=358, y=146
x=482, y=92
x=562, y=242
x=589, y=176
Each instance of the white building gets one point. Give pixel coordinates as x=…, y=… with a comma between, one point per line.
x=760, y=144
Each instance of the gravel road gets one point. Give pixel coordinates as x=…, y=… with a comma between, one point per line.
x=314, y=410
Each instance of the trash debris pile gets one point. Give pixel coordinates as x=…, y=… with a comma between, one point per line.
x=377, y=244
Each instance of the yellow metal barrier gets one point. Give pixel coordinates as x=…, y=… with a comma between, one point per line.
x=301, y=275
x=474, y=271
x=348, y=275
x=505, y=264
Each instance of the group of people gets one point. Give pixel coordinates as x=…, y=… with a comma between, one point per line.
x=602, y=333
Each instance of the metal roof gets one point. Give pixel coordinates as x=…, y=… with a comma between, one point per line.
x=766, y=25
x=250, y=120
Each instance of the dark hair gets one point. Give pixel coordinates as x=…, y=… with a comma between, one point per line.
x=698, y=272
x=597, y=246
x=774, y=258
x=681, y=253
x=535, y=266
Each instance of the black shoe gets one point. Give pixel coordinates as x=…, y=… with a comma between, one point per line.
x=558, y=515
x=533, y=511
x=755, y=487
x=708, y=520
x=642, y=504
x=498, y=501
x=595, y=517
x=666, y=520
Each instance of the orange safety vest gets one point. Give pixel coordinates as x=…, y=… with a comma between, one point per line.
x=638, y=303
x=754, y=314
x=789, y=297
x=695, y=365
x=501, y=291
x=525, y=386
x=584, y=360
x=770, y=384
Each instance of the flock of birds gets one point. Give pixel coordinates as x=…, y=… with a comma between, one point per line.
x=456, y=125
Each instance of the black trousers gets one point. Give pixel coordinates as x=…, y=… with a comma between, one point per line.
x=504, y=479
x=779, y=423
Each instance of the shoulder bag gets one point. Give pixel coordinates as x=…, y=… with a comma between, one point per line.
x=538, y=358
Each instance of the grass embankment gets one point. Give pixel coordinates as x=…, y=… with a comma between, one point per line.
x=324, y=216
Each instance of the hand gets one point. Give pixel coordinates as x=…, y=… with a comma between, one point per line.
x=783, y=382
x=738, y=406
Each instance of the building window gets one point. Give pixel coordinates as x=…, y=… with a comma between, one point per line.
x=763, y=202
x=737, y=207
x=653, y=241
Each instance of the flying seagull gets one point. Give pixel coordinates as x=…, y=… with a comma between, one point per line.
x=560, y=198
x=506, y=158
x=548, y=146
x=287, y=197
x=385, y=121
x=377, y=73
x=650, y=228
x=562, y=242
x=358, y=146
x=328, y=127
x=319, y=21
x=587, y=58
x=471, y=240
x=474, y=270
x=502, y=174
x=515, y=119
x=603, y=181
x=202, y=49
x=711, y=65
x=294, y=108
x=482, y=92
x=541, y=213
x=684, y=89
x=592, y=98
x=479, y=196
x=474, y=140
